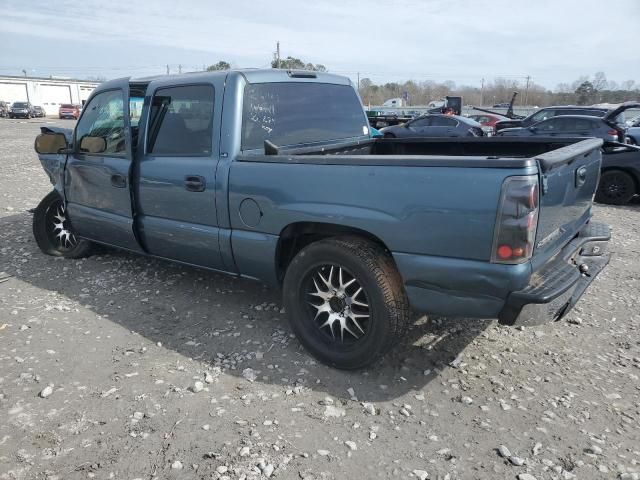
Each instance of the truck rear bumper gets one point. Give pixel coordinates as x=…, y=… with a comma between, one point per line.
x=558, y=285
x=515, y=294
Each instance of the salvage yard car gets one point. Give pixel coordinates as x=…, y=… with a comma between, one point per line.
x=69, y=110
x=435, y=126
x=272, y=175
x=620, y=174
x=614, y=117
x=21, y=110
x=569, y=126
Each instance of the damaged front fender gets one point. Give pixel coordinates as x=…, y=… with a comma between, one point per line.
x=53, y=163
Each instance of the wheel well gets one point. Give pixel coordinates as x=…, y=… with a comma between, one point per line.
x=634, y=176
x=296, y=236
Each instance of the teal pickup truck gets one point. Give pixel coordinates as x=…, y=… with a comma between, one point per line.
x=273, y=175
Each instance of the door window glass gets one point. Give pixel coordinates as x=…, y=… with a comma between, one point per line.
x=543, y=115
x=101, y=128
x=443, y=122
x=420, y=122
x=549, y=125
x=181, y=121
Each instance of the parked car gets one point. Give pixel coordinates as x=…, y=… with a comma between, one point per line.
x=570, y=126
x=21, y=110
x=633, y=135
x=611, y=115
x=271, y=175
x=620, y=174
x=38, y=111
x=69, y=110
x=4, y=109
x=435, y=126
x=488, y=121
x=502, y=105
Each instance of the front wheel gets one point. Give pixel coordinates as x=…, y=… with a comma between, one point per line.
x=53, y=232
x=345, y=301
x=615, y=188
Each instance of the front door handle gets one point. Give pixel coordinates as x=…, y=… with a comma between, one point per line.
x=118, y=181
x=195, y=183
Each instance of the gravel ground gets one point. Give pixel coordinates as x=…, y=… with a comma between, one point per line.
x=121, y=367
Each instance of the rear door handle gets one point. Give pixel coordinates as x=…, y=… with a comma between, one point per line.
x=118, y=181
x=195, y=183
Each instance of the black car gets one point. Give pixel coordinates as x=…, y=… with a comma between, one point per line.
x=435, y=126
x=570, y=126
x=21, y=110
x=4, y=109
x=620, y=174
x=38, y=111
x=613, y=115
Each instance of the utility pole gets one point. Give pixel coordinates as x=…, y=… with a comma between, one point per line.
x=278, y=54
x=358, y=82
x=526, y=91
x=179, y=68
x=482, y=93
x=167, y=69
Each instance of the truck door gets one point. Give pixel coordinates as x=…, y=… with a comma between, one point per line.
x=97, y=173
x=176, y=172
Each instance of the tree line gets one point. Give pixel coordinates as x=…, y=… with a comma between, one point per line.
x=582, y=91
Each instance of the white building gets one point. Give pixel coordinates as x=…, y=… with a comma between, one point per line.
x=49, y=93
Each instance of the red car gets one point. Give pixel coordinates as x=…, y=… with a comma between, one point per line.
x=68, y=110
x=488, y=121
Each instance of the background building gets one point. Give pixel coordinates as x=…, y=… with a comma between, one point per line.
x=49, y=93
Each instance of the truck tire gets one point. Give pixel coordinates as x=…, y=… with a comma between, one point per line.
x=53, y=232
x=345, y=301
x=615, y=188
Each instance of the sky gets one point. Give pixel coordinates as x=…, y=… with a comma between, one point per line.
x=551, y=41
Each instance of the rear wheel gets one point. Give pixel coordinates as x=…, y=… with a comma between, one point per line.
x=615, y=188
x=53, y=232
x=345, y=301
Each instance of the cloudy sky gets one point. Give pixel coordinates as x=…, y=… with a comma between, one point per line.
x=553, y=41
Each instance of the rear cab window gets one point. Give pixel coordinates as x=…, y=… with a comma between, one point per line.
x=288, y=113
x=181, y=121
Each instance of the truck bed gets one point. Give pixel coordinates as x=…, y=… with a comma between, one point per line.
x=490, y=152
x=432, y=199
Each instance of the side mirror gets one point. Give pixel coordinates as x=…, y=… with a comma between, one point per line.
x=92, y=144
x=50, y=143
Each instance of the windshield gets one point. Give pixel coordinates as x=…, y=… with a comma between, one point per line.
x=20, y=105
x=298, y=113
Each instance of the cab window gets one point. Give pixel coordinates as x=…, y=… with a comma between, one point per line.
x=181, y=121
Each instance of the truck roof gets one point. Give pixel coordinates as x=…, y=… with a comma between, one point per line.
x=254, y=75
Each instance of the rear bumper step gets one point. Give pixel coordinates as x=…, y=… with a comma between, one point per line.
x=558, y=286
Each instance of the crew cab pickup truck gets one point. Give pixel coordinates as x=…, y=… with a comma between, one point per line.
x=272, y=175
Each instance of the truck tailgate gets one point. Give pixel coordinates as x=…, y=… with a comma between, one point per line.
x=568, y=181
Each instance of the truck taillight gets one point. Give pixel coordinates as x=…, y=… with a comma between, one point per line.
x=517, y=220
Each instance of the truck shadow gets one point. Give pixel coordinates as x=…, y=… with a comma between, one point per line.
x=223, y=321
